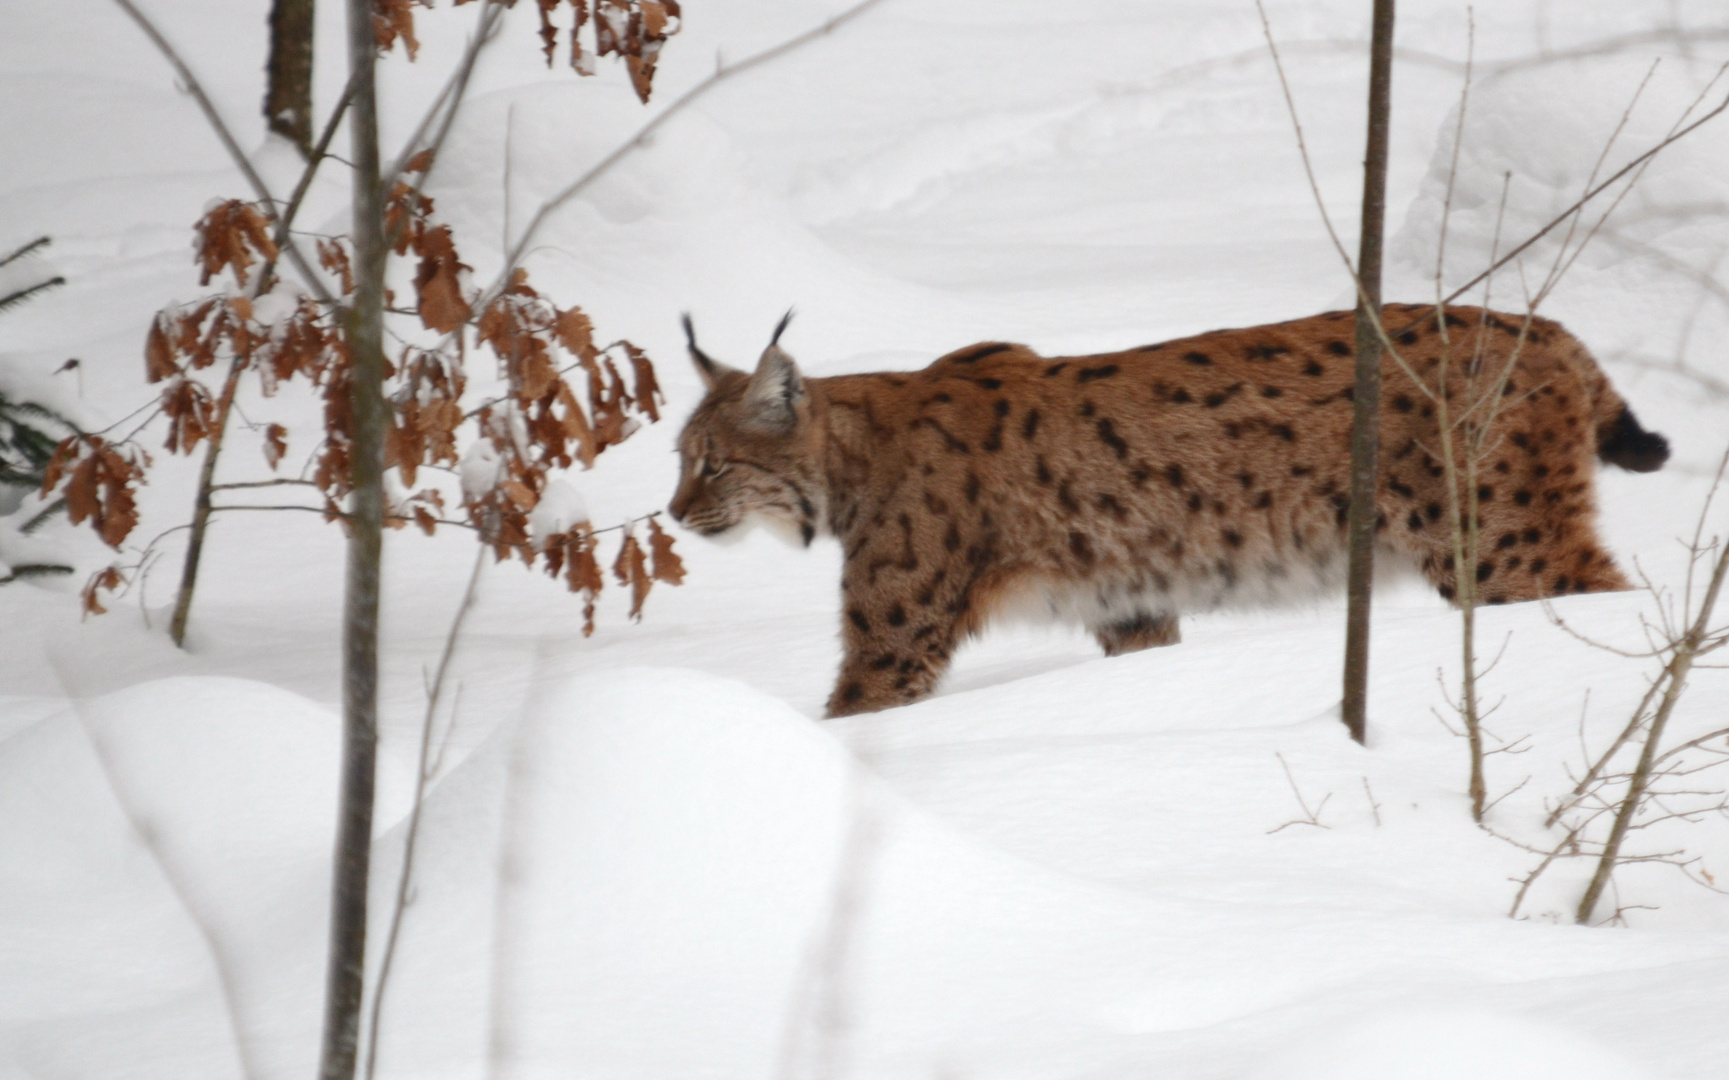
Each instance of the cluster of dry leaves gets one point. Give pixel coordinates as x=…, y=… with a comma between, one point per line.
x=564, y=401
x=633, y=30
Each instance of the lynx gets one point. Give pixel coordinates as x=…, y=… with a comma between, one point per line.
x=1124, y=489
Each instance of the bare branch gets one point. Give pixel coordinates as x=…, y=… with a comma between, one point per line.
x=259, y=188
x=722, y=73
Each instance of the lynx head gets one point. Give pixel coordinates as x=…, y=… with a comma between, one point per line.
x=748, y=453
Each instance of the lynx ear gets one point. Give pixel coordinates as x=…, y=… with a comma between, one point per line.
x=775, y=394
x=707, y=366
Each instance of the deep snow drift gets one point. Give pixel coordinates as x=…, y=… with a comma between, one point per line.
x=641, y=855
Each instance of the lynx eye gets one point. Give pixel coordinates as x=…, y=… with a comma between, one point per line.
x=708, y=468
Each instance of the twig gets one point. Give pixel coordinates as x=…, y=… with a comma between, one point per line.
x=1672, y=138
x=721, y=73
x=486, y=28
x=259, y=188
x=405, y=878
x=1310, y=817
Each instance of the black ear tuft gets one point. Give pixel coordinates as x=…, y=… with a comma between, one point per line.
x=781, y=327
x=706, y=365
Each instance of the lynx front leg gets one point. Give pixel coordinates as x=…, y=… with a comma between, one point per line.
x=1143, y=631
x=889, y=660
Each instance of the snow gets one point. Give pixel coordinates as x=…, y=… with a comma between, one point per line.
x=641, y=853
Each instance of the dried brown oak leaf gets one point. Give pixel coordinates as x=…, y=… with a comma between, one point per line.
x=234, y=235
x=437, y=281
x=275, y=444
x=631, y=568
x=647, y=386
x=99, y=483
x=668, y=567
x=334, y=258
x=392, y=19
x=191, y=414
x=107, y=580
x=159, y=350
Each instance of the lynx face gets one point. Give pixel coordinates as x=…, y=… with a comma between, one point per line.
x=1124, y=489
x=747, y=454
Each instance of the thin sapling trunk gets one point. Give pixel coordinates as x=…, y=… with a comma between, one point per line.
x=1367, y=394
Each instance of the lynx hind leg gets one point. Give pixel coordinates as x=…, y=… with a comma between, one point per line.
x=1141, y=631
x=1528, y=557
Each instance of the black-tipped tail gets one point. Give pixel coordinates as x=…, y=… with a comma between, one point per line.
x=1630, y=446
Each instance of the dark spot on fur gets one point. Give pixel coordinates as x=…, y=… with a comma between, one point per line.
x=1433, y=510
x=1539, y=565
x=1138, y=475
x=1313, y=368
x=808, y=531
x=1233, y=430
x=851, y=692
x=1271, y=391
x=1001, y=407
x=1067, y=498
x=1055, y=369
x=1263, y=500
x=1284, y=432
x=1484, y=569
x=979, y=352
x=1446, y=592
x=1338, y=348
x=1103, y=371
x=923, y=632
x=1409, y=337
x=989, y=384
x=883, y=662
x=1507, y=540
x=1301, y=470
x=1561, y=583
x=952, y=538
x=1533, y=535
x=1265, y=352
x=1108, y=435
x=1233, y=538
x=1200, y=359
x=1043, y=471
x=1079, y=545
x=972, y=487
x=1398, y=487
x=1180, y=396
x=1174, y=474
x=858, y=619
x=1485, y=493
x=1031, y=425
x=1414, y=522
x=1151, y=348
x=1109, y=503
x=1403, y=403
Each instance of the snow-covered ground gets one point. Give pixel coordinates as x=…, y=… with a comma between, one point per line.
x=642, y=854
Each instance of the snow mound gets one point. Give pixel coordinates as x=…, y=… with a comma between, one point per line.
x=1451, y=1044
x=162, y=846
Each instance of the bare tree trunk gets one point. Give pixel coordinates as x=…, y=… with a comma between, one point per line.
x=288, y=92
x=365, y=334
x=1367, y=397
